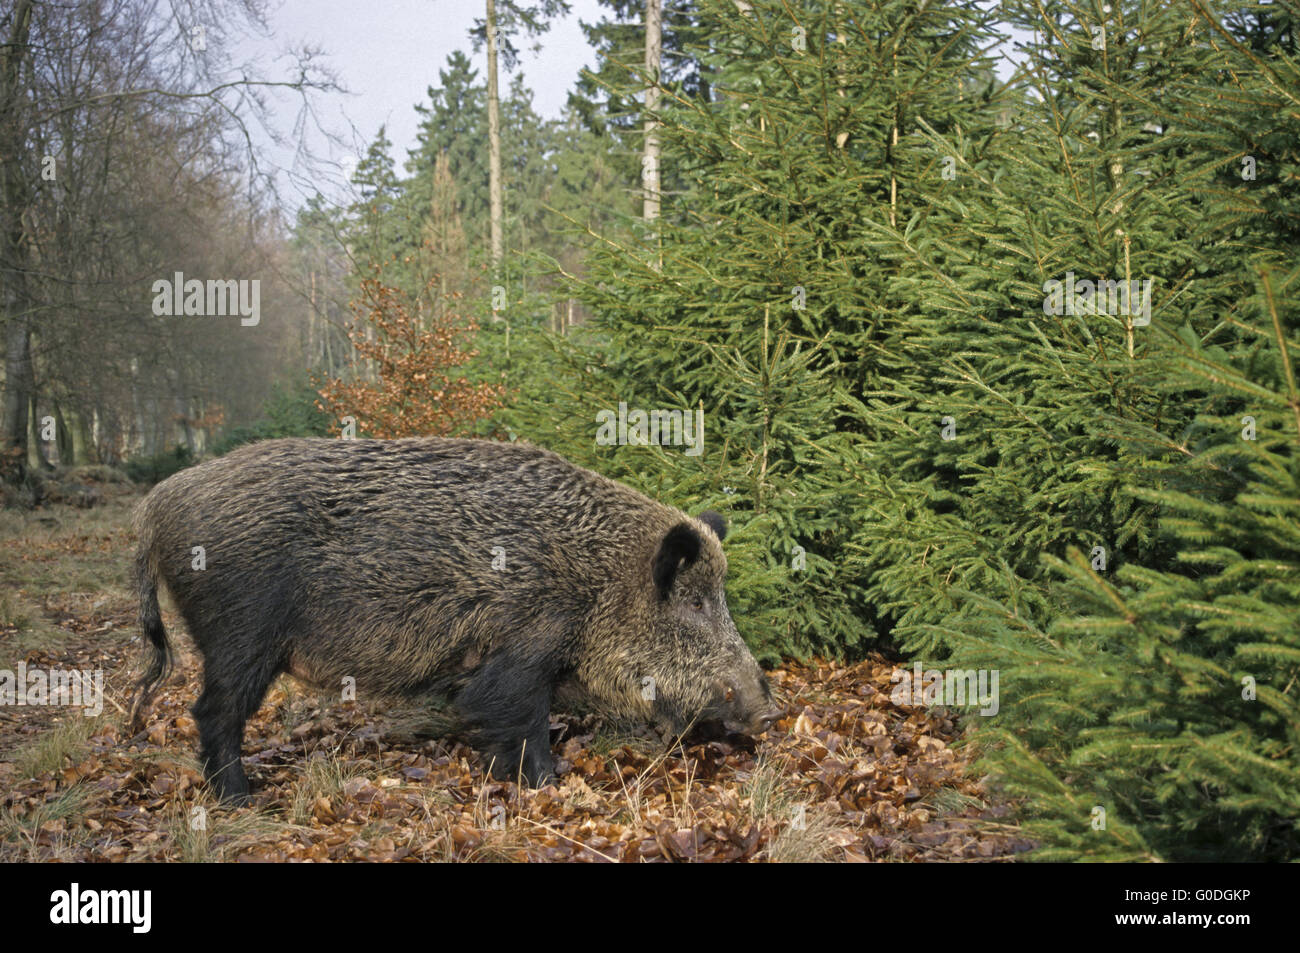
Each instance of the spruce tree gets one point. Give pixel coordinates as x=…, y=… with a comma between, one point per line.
x=866, y=278
x=762, y=297
x=1084, y=526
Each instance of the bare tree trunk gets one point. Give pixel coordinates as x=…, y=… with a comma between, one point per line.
x=137, y=441
x=313, y=319
x=650, y=155
x=62, y=436
x=37, y=457
x=494, y=143
x=79, y=435
x=13, y=286
x=330, y=370
x=18, y=367
x=183, y=430
x=96, y=435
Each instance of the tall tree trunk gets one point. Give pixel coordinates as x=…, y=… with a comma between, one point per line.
x=313, y=319
x=63, y=436
x=650, y=155
x=18, y=366
x=38, y=457
x=79, y=434
x=494, y=144
x=182, y=430
x=13, y=284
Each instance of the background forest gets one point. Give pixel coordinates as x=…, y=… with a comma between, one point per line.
x=996, y=364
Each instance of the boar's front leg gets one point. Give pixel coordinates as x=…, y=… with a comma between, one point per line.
x=506, y=708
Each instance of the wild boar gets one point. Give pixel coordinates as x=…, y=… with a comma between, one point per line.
x=489, y=574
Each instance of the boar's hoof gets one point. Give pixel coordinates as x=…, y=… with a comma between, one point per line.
x=530, y=771
x=232, y=789
x=541, y=781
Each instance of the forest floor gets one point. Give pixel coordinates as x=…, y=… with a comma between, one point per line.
x=847, y=775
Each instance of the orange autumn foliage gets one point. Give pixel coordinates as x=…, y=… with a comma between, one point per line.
x=414, y=358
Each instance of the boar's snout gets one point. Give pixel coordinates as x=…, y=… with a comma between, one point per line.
x=747, y=708
x=766, y=720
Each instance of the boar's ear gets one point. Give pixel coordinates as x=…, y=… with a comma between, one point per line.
x=680, y=546
x=715, y=522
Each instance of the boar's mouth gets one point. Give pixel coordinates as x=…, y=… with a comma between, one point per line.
x=717, y=726
x=718, y=729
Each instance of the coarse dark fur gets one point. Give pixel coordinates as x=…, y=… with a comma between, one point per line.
x=374, y=560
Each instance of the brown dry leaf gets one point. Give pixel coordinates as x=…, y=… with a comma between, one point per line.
x=843, y=749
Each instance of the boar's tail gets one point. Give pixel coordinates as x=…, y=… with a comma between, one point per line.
x=151, y=627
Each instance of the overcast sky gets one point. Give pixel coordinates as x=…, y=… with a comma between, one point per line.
x=387, y=54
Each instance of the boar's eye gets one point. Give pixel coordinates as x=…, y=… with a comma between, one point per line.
x=697, y=604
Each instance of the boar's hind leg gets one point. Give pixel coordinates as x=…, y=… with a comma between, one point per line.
x=232, y=691
x=507, y=708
